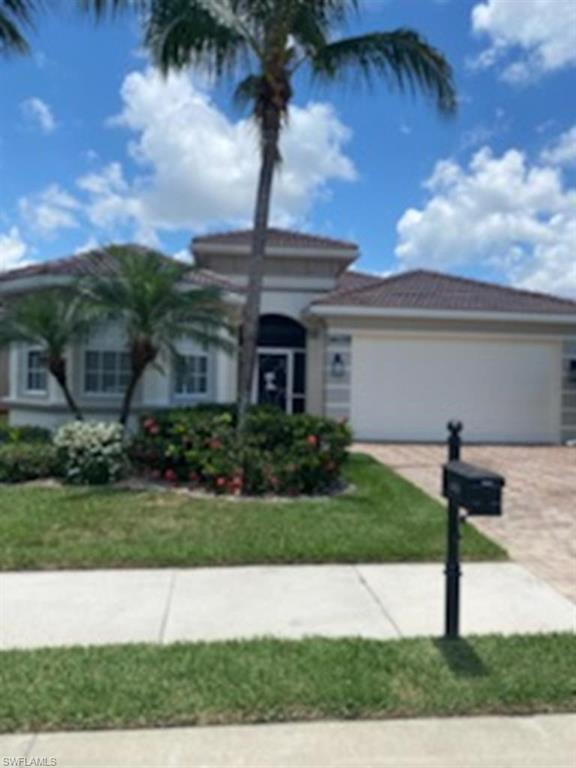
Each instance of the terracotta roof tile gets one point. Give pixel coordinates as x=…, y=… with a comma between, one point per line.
x=98, y=262
x=276, y=237
x=426, y=290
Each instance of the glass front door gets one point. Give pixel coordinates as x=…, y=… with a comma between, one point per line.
x=274, y=379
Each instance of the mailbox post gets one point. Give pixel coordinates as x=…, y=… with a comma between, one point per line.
x=479, y=492
x=453, y=570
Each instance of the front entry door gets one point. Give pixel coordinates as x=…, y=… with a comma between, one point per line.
x=274, y=379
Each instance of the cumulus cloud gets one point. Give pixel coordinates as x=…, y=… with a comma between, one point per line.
x=528, y=38
x=39, y=114
x=13, y=250
x=199, y=167
x=517, y=217
x=50, y=210
x=562, y=151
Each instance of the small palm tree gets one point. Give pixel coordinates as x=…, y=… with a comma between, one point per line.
x=144, y=293
x=15, y=16
x=52, y=320
x=271, y=40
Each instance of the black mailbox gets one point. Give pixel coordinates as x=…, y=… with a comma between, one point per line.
x=475, y=489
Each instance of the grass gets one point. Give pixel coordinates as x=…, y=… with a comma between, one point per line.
x=273, y=680
x=385, y=519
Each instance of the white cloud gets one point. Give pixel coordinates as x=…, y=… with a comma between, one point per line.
x=529, y=38
x=39, y=114
x=49, y=211
x=199, y=168
x=563, y=151
x=13, y=250
x=501, y=211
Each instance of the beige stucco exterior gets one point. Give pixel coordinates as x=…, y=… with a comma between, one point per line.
x=340, y=348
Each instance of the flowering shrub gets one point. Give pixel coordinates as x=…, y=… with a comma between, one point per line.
x=276, y=453
x=91, y=453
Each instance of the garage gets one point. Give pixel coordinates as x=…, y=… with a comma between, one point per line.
x=407, y=387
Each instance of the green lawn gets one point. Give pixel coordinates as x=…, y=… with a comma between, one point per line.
x=385, y=518
x=274, y=680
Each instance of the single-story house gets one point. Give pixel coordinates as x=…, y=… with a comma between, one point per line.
x=399, y=356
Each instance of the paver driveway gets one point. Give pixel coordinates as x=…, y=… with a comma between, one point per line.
x=538, y=527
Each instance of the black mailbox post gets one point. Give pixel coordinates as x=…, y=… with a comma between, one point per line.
x=479, y=492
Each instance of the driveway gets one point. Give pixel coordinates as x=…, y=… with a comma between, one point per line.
x=538, y=527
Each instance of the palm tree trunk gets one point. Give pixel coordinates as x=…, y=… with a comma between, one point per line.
x=129, y=396
x=251, y=313
x=57, y=367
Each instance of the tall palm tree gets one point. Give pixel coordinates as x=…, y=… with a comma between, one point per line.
x=53, y=321
x=15, y=16
x=145, y=294
x=270, y=40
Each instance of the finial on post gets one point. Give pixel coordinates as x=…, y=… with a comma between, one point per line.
x=454, y=439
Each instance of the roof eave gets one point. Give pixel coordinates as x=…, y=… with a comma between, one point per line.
x=328, y=310
x=349, y=255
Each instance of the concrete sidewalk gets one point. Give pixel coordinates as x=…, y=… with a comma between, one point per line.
x=483, y=742
x=163, y=606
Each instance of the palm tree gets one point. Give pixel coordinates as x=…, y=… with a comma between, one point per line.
x=145, y=294
x=15, y=15
x=51, y=320
x=270, y=40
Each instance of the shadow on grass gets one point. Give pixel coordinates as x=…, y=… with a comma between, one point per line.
x=461, y=657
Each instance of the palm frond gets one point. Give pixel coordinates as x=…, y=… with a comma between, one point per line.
x=15, y=17
x=146, y=295
x=52, y=320
x=102, y=8
x=402, y=57
x=204, y=33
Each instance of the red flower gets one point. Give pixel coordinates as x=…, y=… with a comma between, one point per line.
x=312, y=440
x=170, y=476
x=151, y=426
x=221, y=482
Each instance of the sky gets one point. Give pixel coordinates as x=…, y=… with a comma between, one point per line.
x=96, y=147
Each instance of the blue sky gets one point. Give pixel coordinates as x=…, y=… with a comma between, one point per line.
x=95, y=147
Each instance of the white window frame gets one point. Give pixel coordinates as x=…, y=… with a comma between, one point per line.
x=206, y=376
x=37, y=370
x=99, y=372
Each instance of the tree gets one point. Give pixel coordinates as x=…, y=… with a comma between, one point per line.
x=52, y=320
x=146, y=294
x=270, y=40
x=15, y=16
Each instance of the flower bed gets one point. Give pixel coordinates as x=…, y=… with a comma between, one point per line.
x=276, y=453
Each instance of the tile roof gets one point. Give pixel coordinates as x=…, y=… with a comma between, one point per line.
x=276, y=237
x=426, y=290
x=98, y=262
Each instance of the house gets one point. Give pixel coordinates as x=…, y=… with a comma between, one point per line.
x=398, y=356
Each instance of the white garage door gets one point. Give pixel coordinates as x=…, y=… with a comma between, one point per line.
x=406, y=388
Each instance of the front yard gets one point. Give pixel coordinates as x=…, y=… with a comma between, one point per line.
x=381, y=518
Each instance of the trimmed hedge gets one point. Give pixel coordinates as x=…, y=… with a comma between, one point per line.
x=10, y=435
x=276, y=453
x=20, y=462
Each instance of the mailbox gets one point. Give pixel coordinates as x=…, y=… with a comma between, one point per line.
x=475, y=489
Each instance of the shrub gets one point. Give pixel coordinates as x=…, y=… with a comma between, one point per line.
x=91, y=453
x=20, y=462
x=276, y=453
x=10, y=435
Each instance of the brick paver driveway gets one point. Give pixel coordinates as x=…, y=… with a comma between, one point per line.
x=538, y=527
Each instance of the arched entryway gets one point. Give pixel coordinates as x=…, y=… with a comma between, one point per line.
x=281, y=367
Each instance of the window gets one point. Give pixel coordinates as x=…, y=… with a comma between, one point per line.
x=106, y=372
x=191, y=375
x=36, y=371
